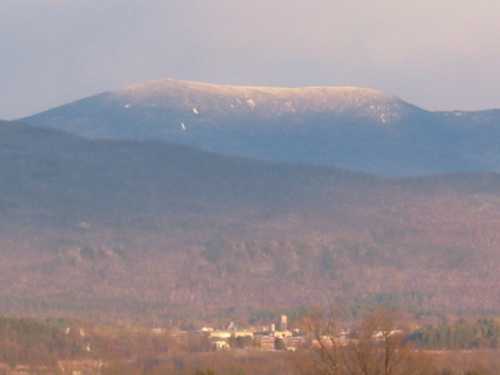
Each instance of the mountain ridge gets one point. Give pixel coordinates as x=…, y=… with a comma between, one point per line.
x=351, y=128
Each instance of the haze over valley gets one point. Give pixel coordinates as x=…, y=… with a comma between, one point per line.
x=140, y=227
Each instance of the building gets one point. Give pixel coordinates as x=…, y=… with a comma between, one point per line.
x=266, y=342
x=283, y=323
x=294, y=343
x=220, y=335
x=221, y=345
x=282, y=334
x=243, y=334
x=81, y=367
x=382, y=335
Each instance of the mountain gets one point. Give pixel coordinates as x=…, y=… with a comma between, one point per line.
x=155, y=231
x=354, y=128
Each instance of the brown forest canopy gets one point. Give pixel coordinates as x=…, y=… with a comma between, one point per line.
x=157, y=231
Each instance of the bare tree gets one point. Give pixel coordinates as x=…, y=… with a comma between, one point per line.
x=321, y=328
x=377, y=347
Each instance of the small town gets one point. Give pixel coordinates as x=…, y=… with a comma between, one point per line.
x=276, y=336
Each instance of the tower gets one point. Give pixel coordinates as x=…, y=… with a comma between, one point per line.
x=283, y=325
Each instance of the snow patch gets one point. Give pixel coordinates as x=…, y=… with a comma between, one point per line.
x=196, y=111
x=290, y=107
x=251, y=103
x=183, y=126
x=127, y=106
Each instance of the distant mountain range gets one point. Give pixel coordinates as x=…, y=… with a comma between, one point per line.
x=348, y=127
x=155, y=231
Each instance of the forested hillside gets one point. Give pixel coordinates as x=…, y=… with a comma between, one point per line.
x=153, y=231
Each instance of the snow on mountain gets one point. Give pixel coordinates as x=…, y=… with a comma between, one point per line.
x=350, y=127
x=269, y=101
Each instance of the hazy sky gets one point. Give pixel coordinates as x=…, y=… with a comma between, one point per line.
x=440, y=54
